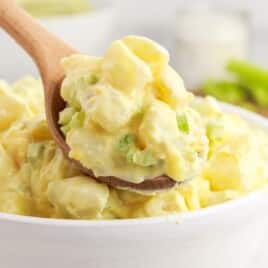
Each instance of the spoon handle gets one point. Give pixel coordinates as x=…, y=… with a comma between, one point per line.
x=44, y=48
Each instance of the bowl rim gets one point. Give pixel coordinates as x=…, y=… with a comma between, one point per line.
x=182, y=218
x=173, y=218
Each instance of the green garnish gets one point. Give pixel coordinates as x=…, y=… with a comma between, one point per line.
x=183, y=123
x=225, y=91
x=76, y=121
x=253, y=78
x=88, y=79
x=126, y=143
x=248, y=73
x=128, y=148
x=247, y=86
x=66, y=115
x=73, y=117
x=144, y=159
x=70, y=91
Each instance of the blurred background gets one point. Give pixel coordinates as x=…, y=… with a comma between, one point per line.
x=217, y=46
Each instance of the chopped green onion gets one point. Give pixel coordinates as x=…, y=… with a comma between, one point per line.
x=126, y=143
x=76, y=121
x=133, y=154
x=183, y=124
x=226, y=91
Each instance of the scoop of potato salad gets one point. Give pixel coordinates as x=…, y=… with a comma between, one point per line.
x=134, y=108
x=128, y=114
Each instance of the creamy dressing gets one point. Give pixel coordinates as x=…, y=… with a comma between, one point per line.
x=132, y=90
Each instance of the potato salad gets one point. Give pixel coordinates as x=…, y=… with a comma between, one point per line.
x=128, y=115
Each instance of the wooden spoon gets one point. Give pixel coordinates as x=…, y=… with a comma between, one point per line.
x=47, y=51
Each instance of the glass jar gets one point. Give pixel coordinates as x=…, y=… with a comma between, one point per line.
x=206, y=39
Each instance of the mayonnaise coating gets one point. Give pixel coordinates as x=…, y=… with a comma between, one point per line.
x=125, y=114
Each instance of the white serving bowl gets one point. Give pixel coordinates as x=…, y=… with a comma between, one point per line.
x=230, y=235
x=89, y=33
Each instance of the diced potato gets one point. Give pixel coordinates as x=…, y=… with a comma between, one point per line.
x=170, y=89
x=81, y=72
x=47, y=164
x=7, y=166
x=15, y=142
x=213, y=198
x=158, y=127
x=109, y=108
x=11, y=108
x=123, y=70
x=159, y=132
x=230, y=165
x=149, y=51
x=175, y=165
x=166, y=203
x=38, y=130
x=78, y=197
x=77, y=64
x=16, y=203
x=30, y=92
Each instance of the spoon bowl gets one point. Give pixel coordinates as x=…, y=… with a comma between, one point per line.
x=47, y=51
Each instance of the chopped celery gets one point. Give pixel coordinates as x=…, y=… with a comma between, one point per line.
x=225, y=91
x=76, y=121
x=144, y=158
x=248, y=73
x=183, y=123
x=89, y=79
x=65, y=129
x=70, y=92
x=260, y=95
x=248, y=89
x=133, y=154
x=66, y=115
x=254, y=78
x=126, y=143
